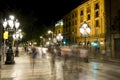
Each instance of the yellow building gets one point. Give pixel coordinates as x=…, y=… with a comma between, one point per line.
x=92, y=12
x=103, y=18
x=58, y=27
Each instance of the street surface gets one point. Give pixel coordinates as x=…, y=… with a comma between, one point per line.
x=47, y=68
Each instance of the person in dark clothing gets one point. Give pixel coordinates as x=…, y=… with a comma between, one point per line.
x=34, y=52
x=33, y=55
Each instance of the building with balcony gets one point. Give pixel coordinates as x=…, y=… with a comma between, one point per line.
x=103, y=18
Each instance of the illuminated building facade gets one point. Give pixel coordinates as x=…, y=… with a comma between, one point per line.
x=91, y=12
x=103, y=17
x=58, y=27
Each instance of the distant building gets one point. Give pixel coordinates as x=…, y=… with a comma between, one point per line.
x=58, y=27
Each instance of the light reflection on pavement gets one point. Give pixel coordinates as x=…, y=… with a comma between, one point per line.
x=45, y=69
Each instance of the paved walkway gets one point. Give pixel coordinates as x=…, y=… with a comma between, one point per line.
x=43, y=69
x=24, y=69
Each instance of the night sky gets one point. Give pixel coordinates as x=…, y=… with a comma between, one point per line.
x=36, y=16
x=43, y=11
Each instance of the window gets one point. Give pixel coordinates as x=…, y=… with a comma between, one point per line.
x=96, y=14
x=97, y=23
x=88, y=17
x=75, y=22
x=75, y=14
x=96, y=33
x=75, y=30
x=72, y=15
x=69, y=18
x=96, y=6
x=81, y=13
x=88, y=10
x=81, y=19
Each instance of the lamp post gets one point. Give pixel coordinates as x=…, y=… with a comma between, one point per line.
x=50, y=32
x=59, y=38
x=85, y=31
x=17, y=36
x=10, y=26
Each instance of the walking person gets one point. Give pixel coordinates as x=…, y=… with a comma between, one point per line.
x=84, y=54
x=44, y=52
x=39, y=52
x=103, y=54
x=53, y=56
x=33, y=55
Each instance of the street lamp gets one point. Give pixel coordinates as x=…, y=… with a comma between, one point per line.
x=17, y=36
x=59, y=38
x=10, y=26
x=50, y=32
x=85, y=31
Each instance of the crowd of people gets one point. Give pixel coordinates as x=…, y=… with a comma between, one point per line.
x=56, y=50
x=35, y=51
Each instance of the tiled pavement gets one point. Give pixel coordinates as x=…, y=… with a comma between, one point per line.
x=23, y=69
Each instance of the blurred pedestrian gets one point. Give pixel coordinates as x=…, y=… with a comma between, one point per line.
x=97, y=51
x=25, y=48
x=34, y=52
x=84, y=54
x=29, y=51
x=44, y=52
x=39, y=54
x=33, y=55
x=103, y=52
